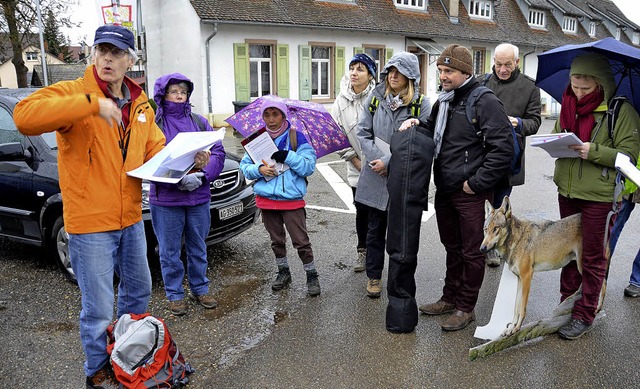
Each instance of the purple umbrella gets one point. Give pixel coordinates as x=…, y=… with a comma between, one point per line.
x=311, y=119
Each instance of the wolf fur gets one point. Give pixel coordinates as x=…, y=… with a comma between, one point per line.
x=527, y=247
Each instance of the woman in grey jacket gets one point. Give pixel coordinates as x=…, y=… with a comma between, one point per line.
x=355, y=87
x=394, y=100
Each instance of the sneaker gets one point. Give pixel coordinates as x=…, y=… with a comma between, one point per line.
x=103, y=379
x=178, y=307
x=206, y=300
x=283, y=279
x=438, y=308
x=374, y=288
x=632, y=291
x=574, y=329
x=360, y=261
x=458, y=320
x=313, y=284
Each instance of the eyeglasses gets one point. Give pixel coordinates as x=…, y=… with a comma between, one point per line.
x=115, y=51
x=177, y=92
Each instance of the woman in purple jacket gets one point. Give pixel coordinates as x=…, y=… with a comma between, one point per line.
x=182, y=209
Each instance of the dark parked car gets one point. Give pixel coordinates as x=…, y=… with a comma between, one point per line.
x=31, y=204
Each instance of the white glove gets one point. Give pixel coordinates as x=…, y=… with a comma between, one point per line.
x=191, y=181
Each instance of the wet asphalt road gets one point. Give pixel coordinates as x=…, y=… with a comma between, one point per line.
x=257, y=338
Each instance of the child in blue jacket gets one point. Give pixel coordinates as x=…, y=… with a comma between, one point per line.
x=281, y=196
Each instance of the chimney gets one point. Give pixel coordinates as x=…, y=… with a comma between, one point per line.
x=454, y=5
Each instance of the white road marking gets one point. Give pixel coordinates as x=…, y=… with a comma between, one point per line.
x=343, y=190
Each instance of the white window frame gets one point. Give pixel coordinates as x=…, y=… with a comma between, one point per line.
x=570, y=24
x=618, y=33
x=481, y=9
x=479, y=55
x=537, y=18
x=318, y=62
x=635, y=39
x=259, y=61
x=31, y=55
x=411, y=4
x=592, y=29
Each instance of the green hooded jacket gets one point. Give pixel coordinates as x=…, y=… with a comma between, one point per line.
x=594, y=178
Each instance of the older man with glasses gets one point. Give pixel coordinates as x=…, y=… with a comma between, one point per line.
x=104, y=127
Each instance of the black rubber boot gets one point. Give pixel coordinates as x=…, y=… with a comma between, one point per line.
x=283, y=279
x=313, y=284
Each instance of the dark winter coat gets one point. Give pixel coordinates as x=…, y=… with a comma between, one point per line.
x=479, y=154
x=521, y=99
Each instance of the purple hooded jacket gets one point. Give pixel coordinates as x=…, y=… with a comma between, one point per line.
x=176, y=117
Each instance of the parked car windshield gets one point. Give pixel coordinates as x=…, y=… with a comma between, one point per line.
x=50, y=139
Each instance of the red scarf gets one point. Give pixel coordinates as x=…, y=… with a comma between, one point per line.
x=577, y=116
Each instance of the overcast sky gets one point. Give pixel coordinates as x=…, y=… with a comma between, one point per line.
x=86, y=12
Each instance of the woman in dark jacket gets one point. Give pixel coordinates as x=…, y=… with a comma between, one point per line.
x=182, y=209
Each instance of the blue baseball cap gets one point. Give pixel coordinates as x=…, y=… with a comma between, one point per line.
x=118, y=36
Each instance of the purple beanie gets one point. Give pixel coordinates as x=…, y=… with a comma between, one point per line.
x=274, y=102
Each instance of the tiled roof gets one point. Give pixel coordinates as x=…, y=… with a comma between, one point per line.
x=60, y=72
x=508, y=24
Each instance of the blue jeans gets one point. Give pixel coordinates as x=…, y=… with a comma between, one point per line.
x=622, y=217
x=170, y=224
x=94, y=258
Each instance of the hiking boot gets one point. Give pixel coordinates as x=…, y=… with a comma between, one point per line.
x=103, y=379
x=206, y=300
x=458, y=320
x=438, y=308
x=313, y=284
x=360, y=261
x=374, y=288
x=178, y=307
x=574, y=329
x=493, y=259
x=632, y=291
x=283, y=279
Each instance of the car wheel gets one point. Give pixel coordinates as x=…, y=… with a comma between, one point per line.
x=59, y=249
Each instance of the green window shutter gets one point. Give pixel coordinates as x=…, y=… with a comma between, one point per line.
x=241, y=70
x=487, y=61
x=358, y=50
x=339, y=66
x=388, y=53
x=283, y=70
x=304, y=54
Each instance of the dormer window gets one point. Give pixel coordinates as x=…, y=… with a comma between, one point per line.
x=536, y=18
x=32, y=56
x=592, y=29
x=480, y=9
x=412, y=4
x=570, y=24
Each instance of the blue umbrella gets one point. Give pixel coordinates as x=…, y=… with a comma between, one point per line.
x=554, y=66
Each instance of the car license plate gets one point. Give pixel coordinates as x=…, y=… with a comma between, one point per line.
x=230, y=211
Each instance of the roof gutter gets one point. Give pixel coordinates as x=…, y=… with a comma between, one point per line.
x=208, y=57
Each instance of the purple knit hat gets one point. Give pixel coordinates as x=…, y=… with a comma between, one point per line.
x=270, y=102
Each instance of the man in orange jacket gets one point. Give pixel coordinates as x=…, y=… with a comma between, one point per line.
x=104, y=127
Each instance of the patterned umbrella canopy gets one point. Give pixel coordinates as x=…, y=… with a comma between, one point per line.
x=312, y=119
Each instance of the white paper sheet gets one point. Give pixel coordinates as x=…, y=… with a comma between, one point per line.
x=557, y=145
x=260, y=148
x=382, y=145
x=503, y=307
x=176, y=159
x=624, y=166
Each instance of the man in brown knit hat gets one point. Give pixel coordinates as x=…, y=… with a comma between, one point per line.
x=469, y=161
